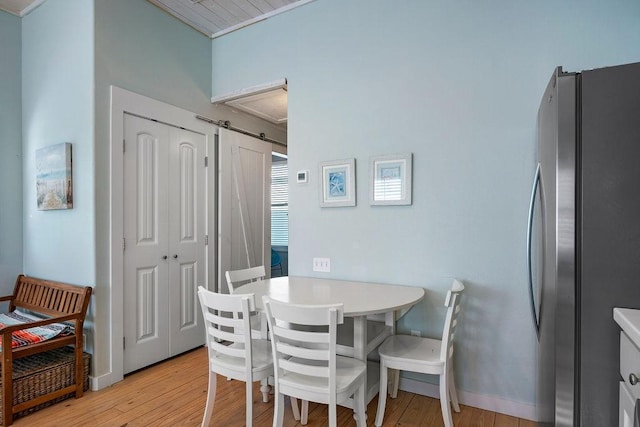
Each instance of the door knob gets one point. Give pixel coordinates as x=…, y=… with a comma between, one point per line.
x=164, y=257
x=633, y=379
x=175, y=256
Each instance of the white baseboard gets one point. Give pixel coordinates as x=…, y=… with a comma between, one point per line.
x=103, y=381
x=490, y=403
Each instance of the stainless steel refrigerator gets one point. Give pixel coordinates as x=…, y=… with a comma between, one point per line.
x=584, y=240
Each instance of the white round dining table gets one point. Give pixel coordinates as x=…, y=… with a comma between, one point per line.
x=359, y=299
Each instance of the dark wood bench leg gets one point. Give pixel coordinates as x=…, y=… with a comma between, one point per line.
x=7, y=381
x=79, y=361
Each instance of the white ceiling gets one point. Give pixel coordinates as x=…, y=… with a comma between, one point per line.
x=213, y=18
x=267, y=101
x=19, y=7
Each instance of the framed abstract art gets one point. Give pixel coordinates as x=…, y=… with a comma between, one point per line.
x=338, y=183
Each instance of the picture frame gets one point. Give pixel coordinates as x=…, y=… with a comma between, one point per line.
x=54, y=185
x=338, y=183
x=390, y=179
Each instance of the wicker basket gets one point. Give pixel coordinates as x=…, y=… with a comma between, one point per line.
x=42, y=373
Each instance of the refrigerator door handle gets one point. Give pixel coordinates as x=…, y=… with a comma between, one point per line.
x=532, y=204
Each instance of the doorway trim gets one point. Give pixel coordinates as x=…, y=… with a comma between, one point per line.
x=124, y=101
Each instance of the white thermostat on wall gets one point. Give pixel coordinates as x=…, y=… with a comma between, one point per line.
x=302, y=177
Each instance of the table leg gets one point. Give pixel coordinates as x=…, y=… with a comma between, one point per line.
x=393, y=376
x=360, y=338
x=390, y=321
x=360, y=341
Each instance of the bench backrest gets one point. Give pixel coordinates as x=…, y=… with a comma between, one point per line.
x=49, y=297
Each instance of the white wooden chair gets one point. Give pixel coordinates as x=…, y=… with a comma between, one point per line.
x=237, y=278
x=240, y=357
x=305, y=361
x=424, y=355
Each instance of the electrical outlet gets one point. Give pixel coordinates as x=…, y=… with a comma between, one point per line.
x=415, y=333
x=322, y=264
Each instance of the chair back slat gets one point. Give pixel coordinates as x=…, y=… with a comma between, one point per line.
x=222, y=320
x=301, y=335
x=306, y=315
x=227, y=350
x=237, y=278
x=452, y=302
x=222, y=335
x=315, y=353
x=304, y=368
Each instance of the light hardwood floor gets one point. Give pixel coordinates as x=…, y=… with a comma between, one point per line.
x=173, y=393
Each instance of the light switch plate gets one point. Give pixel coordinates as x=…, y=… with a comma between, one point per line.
x=322, y=265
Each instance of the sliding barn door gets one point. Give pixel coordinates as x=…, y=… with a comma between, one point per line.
x=164, y=241
x=244, y=208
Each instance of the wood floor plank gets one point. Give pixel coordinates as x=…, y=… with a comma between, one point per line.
x=481, y=418
x=393, y=410
x=505, y=421
x=463, y=418
x=154, y=410
x=419, y=412
x=173, y=393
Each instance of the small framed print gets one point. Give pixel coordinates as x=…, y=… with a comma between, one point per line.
x=390, y=180
x=54, y=189
x=338, y=183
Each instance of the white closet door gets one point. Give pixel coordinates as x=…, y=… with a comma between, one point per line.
x=164, y=230
x=146, y=263
x=244, y=208
x=186, y=238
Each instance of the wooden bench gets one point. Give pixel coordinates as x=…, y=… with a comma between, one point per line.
x=56, y=303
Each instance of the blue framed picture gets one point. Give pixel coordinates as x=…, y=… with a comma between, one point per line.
x=390, y=179
x=54, y=188
x=338, y=180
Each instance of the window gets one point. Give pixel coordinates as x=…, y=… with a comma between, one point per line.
x=279, y=202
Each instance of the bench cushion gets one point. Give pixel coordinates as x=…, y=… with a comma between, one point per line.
x=31, y=335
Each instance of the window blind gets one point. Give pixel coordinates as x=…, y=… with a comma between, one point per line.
x=279, y=204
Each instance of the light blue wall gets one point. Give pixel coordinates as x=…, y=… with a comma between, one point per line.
x=57, y=106
x=10, y=152
x=142, y=49
x=458, y=85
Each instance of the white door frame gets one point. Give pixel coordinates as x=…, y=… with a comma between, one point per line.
x=124, y=101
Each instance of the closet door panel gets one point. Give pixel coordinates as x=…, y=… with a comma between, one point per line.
x=145, y=243
x=187, y=213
